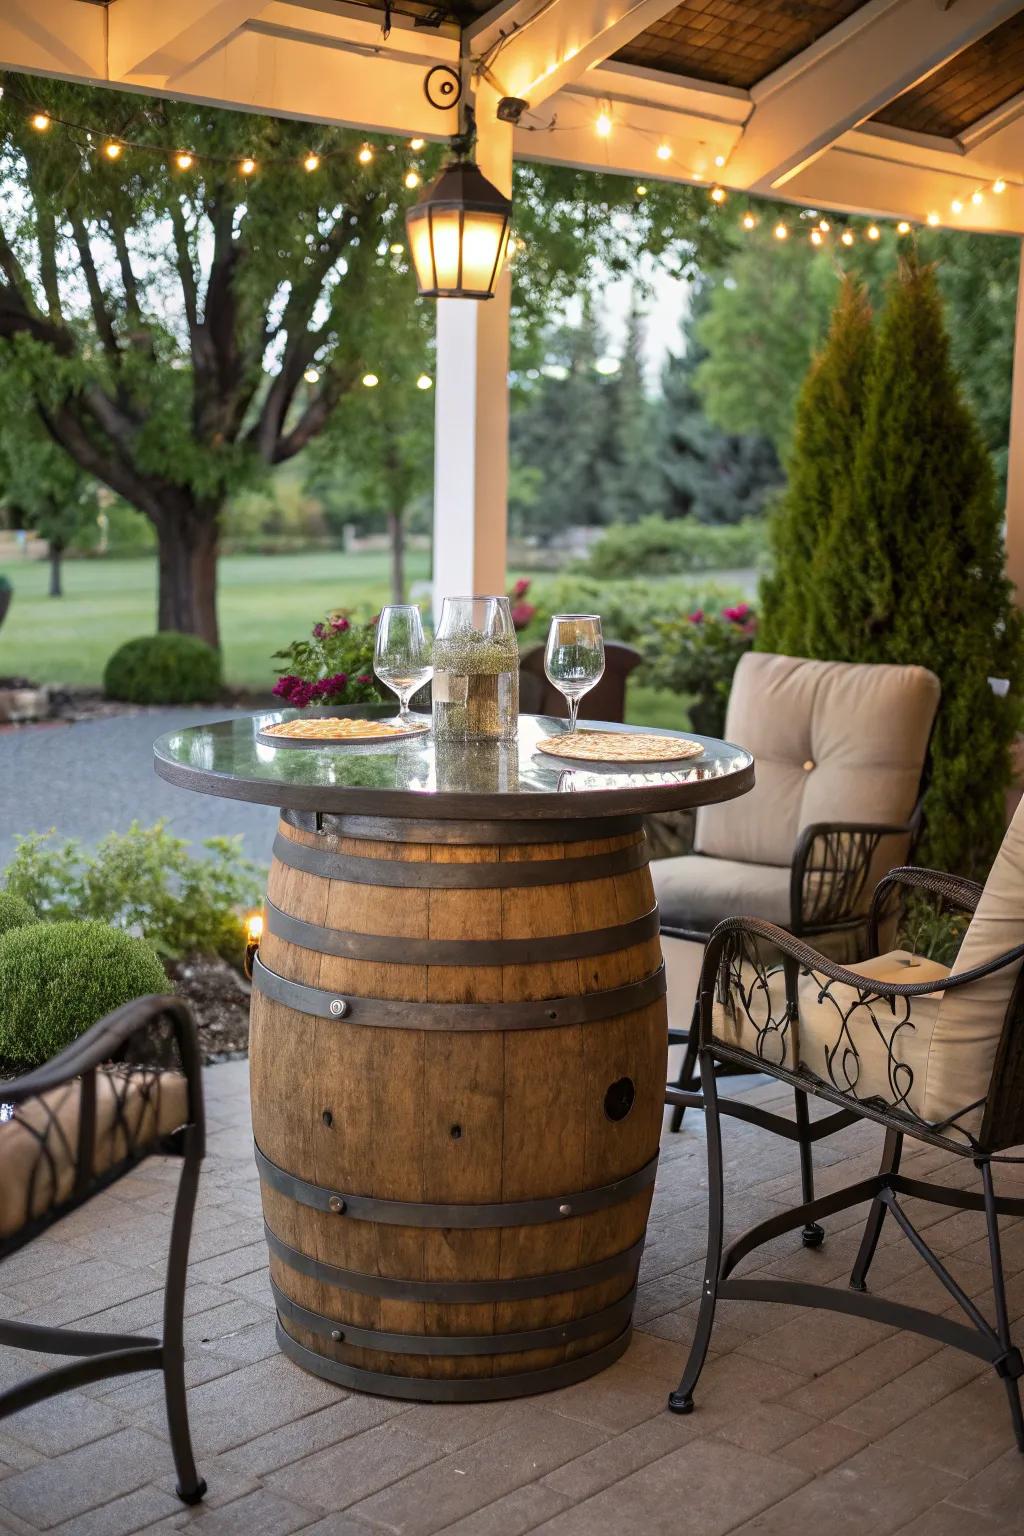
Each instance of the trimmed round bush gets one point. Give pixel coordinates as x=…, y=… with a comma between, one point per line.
x=57, y=979
x=164, y=669
x=14, y=912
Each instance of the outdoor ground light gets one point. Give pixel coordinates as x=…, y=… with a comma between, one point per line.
x=253, y=934
x=458, y=234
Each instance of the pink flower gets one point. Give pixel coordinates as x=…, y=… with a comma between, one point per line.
x=318, y=631
x=339, y=624
x=364, y=678
x=521, y=588
x=522, y=613
x=738, y=614
x=696, y=617
x=284, y=685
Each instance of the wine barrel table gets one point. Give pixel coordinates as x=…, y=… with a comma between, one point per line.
x=458, y=1048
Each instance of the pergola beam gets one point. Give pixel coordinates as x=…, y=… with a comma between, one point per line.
x=530, y=50
x=147, y=42
x=882, y=49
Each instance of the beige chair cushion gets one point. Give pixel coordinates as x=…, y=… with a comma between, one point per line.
x=39, y=1146
x=696, y=893
x=833, y=742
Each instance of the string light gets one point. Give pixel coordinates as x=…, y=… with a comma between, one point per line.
x=416, y=144
x=956, y=205
x=40, y=122
x=816, y=237
x=999, y=186
x=718, y=194
x=719, y=161
x=663, y=152
x=641, y=190
x=370, y=380
x=412, y=179
x=112, y=149
x=183, y=160
x=247, y=166
x=780, y=232
x=365, y=155
x=424, y=381
x=398, y=249
x=748, y=221
x=874, y=233
x=312, y=162
x=903, y=227
x=977, y=197
x=824, y=226
x=847, y=237
x=933, y=218
x=603, y=126
x=312, y=375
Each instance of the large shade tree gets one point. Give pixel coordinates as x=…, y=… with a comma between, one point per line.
x=160, y=316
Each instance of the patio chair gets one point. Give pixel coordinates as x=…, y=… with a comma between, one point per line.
x=932, y=1053
x=841, y=751
x=605, y=701
x=129, y=1087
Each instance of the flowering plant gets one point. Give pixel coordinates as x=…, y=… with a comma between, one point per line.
x=522, y=611
x=696, y=654
x=335, y=666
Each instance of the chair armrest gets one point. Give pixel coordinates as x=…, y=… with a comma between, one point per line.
x=107, y=1036
x=795, y=950
x=841, y=851
x=955, y=889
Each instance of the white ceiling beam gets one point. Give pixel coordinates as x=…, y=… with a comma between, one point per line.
x=531, y=50
x=880, y=51
x=60, y=38
x=151, y=43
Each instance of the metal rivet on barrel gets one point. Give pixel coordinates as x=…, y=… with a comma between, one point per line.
x=337, y=1335
x=565, y=1210
x=336, y=1204
x=339, y=1007
x=552, y=1013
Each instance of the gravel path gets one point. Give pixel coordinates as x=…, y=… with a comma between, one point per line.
x=97, y=775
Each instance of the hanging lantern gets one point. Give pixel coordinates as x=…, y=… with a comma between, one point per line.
x=458, y=234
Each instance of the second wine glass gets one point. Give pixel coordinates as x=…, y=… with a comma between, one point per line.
x=401, y=657
x=574, y=657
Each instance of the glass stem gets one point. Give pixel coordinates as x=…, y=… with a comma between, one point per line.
x=574, y=709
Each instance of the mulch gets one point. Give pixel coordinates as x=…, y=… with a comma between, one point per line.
x=219, y=996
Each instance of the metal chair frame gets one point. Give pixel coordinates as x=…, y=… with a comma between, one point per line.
x=113, y=1354
x=1002, y=1126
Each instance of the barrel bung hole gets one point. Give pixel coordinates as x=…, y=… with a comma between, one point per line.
x=456, y=1133
x=327, y=1118
x=619, y=1099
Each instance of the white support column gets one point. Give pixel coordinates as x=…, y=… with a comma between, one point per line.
x=1015, y=457
x=471, y=415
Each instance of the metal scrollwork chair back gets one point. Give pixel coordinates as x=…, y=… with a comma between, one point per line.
x=128, y=1088
x=925, y=1051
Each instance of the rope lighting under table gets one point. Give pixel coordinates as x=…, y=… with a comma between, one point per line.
x=457, y=1048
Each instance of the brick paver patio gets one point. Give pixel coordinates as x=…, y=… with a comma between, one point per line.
x=804, y=1420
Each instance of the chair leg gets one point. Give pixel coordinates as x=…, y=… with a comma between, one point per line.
x=681, y=1400
x=812, y=1234
x=891, y=1154
x=190, y=1486
x=1011, y=1366
x=687, y=1072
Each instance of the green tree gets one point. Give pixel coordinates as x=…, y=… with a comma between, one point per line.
x=44, y=488
x=911, y=569
x=625, y=473
x=829, y=418
x=705, y=473
x=161, y=316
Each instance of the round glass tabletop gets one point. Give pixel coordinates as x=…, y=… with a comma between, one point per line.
x=418, y=776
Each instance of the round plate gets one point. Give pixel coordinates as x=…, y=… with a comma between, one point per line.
x=276, y=739
x=615, y=747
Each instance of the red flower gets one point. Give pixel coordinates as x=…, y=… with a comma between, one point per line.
x=697, y=616
x=738, y=614
x=364, y=678
x=522, y=613
x=521, y=588
x=339, y=624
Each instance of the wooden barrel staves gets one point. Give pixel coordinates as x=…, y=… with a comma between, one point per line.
x=458, y=1063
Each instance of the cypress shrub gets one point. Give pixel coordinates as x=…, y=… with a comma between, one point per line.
x=164, y=669
x=830, y=413
x=57, y=979
x=908, y=568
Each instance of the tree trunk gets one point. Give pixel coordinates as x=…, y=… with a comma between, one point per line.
x=188, y=547
x=56, y=552
x=396, y=533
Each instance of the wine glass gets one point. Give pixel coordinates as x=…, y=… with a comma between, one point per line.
x=401, y=658
x=574, y=657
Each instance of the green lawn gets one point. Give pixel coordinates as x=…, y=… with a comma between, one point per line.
x=265, y=601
